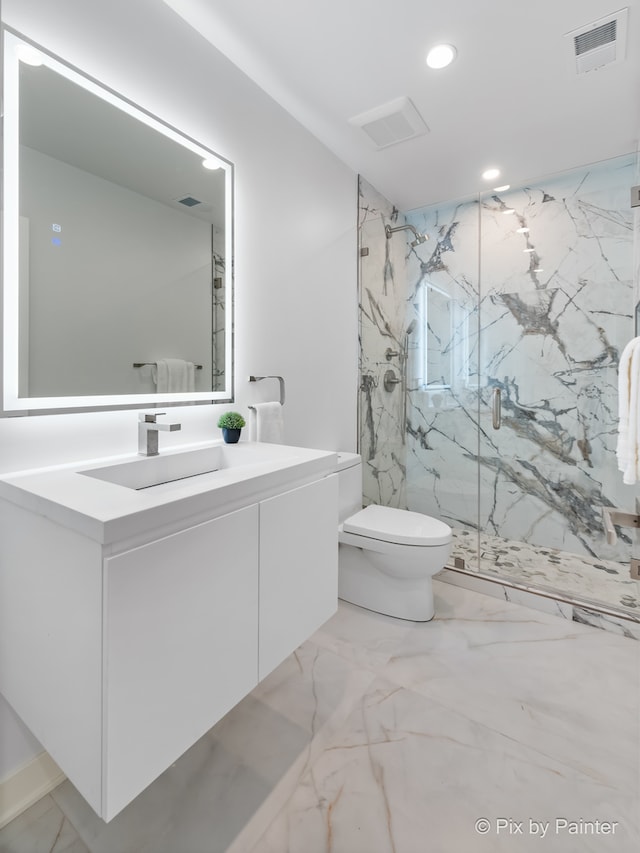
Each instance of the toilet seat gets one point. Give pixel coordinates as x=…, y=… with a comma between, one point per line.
x=396, y=527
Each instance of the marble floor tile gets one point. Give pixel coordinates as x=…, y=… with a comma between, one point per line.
x=407, y=775
x=385, y=736
x=225, y=787
x=493, y=587
x=622, y=627
x=547, y=682
x=491, y=711
x=364, y=638
x=41, y=829
x=625, y=625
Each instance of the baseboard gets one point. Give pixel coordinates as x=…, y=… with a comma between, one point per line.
x=27, y=785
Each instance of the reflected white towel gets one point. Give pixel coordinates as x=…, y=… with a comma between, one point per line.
x=628, y=447
x=174, y=375
x=267, y=423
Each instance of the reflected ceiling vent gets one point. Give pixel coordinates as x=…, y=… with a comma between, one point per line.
x=602, y=42
x=391, y=123
x=188, y=201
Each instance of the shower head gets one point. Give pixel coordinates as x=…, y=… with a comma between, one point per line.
x=405, y=344
x=419, y=238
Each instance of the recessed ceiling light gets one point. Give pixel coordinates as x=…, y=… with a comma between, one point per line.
x=528, y=250
x=508, y=211
x=29, y=55
x=441, y=55
x=490, y=174
x=539, y=269
x=502, y=189
x=522, y=230
x=211, y=163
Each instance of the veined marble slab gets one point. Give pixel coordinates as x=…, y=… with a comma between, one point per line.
x=577, y=579
x=383, y=735
x=530, y=293
x=544, y=317
x=223, y=792
x=536, y=600
x=487, y=717
x=44, y=828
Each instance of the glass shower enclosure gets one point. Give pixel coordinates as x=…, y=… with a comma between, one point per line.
x=489, y=371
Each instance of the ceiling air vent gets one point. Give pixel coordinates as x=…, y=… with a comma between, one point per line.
x=391, y=123
x=602, y=42
x=188, y=201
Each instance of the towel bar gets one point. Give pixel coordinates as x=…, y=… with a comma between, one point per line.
x=154, y=363
x=280, y=380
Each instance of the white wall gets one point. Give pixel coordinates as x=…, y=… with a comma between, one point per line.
x=295, y=242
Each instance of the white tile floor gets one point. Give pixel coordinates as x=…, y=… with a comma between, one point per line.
x=380, y=735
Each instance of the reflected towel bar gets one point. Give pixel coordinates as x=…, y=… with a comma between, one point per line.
x=155, y=363
x=280, y=380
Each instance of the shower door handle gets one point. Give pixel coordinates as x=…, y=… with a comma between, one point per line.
x=496, y=408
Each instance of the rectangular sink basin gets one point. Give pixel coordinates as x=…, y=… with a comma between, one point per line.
x=150, y=471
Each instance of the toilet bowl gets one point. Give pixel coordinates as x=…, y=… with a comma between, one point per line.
x=387, y=557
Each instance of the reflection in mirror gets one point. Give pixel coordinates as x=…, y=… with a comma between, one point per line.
x=118, y=245
x=441, y=361
x=435, y=309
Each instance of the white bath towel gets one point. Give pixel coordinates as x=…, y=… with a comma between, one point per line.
x=174, y=375
x=628, y=447
x=268, y=423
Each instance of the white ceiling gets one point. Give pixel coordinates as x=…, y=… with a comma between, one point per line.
x=510, y=98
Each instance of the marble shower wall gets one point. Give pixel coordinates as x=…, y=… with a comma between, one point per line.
x=545, y=325
x=383, y=310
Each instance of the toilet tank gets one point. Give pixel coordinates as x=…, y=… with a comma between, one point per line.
x=349, y=471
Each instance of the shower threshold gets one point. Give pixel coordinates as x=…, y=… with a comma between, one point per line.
x=601, y=585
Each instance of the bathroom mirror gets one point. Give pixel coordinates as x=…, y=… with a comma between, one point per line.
x=117, y=270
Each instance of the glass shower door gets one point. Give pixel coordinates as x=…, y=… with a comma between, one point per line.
x=442, y=398
x=556, y=309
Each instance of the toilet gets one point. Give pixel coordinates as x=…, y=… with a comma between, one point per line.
x=387, y=557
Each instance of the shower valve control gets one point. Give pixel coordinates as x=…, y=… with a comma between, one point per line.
x=390, y=380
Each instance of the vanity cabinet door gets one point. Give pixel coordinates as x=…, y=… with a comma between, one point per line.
x=298, y=568
x=180, y=646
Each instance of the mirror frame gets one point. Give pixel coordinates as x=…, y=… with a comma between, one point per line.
x=13, y=404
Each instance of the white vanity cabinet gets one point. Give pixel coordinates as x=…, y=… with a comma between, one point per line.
x=298, y=569
x=120, y=654
x=180, y=639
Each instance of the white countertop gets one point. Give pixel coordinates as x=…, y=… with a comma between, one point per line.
x=108, y=513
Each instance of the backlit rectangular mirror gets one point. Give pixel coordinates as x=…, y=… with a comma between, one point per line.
x=117, y=248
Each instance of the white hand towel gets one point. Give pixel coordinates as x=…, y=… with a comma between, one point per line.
x=268, y=424
x=173, y=375
x=628, y=447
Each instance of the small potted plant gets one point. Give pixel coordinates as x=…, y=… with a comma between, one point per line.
x=231, y=424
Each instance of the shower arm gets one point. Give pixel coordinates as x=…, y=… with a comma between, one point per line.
x=419, y=238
